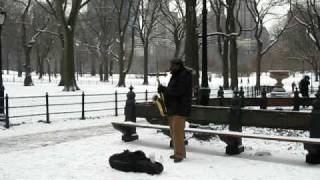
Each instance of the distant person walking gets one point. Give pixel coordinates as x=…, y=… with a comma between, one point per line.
x=304, y=86
x=293, y=86
x=178, y=96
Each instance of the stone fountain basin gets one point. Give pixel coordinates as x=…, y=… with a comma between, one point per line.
x=279, y=74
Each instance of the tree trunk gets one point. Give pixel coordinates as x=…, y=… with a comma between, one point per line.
x=191, y=43
x=258, y=71
x=7, y=60
x=28, y=78
x=316, y=70
x=101, y=71
x=38, y=64
x=225, y=64
x=81, y=69
x=121, y=82
x=55, y=68
x=223, y=49
x=19, y=63
x=93, y=66
x=19, y=67
x=111, y=68
x=69, y=79
x=62, y=61
x=145, y=62
x=177, y=45
x=41, y=68
x=231, y=28
x=106, y=67
x=49, y=71
x=234, y=63
x=258, y=60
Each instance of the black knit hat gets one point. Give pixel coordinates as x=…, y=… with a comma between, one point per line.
x=177, y=61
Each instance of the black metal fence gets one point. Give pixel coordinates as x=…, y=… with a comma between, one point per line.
x=83, y=105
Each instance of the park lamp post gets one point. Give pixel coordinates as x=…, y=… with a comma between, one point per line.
x=2, y=18
x=204, y=89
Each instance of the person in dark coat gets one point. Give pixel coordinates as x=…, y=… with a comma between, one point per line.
x=178, y=99
x=293, y=86
x=304, y=86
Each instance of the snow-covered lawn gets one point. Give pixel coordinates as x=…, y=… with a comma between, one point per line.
x=70, y=148
x=87, y=158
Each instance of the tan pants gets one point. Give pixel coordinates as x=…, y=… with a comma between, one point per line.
x=177, y=125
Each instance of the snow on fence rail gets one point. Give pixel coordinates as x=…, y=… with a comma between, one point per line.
x=45, y=108
x=26, y=109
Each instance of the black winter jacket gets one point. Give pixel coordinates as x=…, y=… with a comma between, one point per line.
x=178, y=94
x=303, y=86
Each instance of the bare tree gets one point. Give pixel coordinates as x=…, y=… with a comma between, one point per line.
x=67, y=24
x=45, y=42
x=307, y=14
x=174, y=16
x=259, y=12
x=300, y=47
x=148, y=12
x=11, y=34
x=28, y=44
x=233, y=30
x=124, y=14
x=48, y=6
x=43, y=48
x=104, y=32
x=222, y=41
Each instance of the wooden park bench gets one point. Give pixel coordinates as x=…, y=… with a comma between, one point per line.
x=235, y=117
x=120, y=126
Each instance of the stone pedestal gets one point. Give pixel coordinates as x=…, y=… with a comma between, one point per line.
x=278, y=90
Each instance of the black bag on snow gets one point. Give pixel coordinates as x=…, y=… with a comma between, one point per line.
x=134, y=162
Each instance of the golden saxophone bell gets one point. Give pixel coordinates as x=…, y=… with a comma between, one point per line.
x=160, y=104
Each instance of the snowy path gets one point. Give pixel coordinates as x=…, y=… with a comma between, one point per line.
x=37, y=140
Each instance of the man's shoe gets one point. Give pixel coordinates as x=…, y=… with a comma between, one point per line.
x=173, y=156
x=177, y=159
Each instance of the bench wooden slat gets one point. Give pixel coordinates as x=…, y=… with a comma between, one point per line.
x=224, y=133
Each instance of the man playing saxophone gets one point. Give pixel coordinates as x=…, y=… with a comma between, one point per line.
x=178, y=97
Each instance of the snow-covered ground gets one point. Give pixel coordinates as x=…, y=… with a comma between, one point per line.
x=70, y=148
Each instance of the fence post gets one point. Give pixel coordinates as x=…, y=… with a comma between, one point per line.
x=313, y=156
x=234, y=145
x=116, y=103
x=7, y=112
x=241, y=92
x=129, y=133
x=255, y=91
x=146, y=98
x=264, y=101
x=47, y=108
x=82, y=103
x=241, y=95
x=296, y=100
x=252, y=91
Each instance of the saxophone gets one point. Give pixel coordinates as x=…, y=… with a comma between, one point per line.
x=158, y=99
